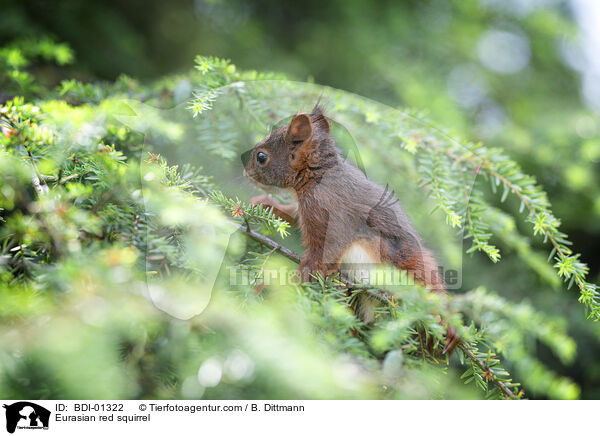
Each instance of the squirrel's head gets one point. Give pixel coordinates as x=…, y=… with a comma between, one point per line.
x=302, y=147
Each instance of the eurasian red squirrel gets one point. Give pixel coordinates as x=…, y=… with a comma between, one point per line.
x=347, y=221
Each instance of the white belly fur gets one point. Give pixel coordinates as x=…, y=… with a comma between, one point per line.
x=357, y=261
x=358, y=264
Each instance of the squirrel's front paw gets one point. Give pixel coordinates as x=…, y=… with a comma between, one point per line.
x=265, y=200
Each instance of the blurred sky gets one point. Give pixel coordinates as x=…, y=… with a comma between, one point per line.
x=587, y=60
x=508, y=51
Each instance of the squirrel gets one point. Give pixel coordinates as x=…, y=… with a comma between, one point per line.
x=348, y=223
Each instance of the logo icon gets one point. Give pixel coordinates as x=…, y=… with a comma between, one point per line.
x=26, y=415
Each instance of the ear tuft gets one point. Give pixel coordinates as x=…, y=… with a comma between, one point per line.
x=318, y=118
x=317, y=111
x=300, y=129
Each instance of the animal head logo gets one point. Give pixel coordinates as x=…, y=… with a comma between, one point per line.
x=26, y=415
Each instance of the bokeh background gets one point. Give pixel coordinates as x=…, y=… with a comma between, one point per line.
x=516, y=74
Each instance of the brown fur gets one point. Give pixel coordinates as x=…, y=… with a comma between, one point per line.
x=338, y=207
x=337, y=204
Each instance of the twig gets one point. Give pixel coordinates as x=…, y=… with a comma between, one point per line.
x=270, y=243
x=507, y=392
x=486, y=165
x=286, y=252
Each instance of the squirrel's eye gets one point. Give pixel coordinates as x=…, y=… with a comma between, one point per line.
x=261, y=157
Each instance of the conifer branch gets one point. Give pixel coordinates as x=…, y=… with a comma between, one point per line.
x=507, y=392
x=536, y=203
x=286, y=252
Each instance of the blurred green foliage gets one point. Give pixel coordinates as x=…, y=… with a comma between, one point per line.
x=74, y=259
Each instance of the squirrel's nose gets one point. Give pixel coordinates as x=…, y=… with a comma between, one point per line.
x=245, y=157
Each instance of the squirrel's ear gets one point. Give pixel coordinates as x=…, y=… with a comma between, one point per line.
x=300, y=129
x=299, y=135
x=319, y=119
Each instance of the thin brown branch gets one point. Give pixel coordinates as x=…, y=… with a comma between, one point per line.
x=507, y=392
x=286, y=252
